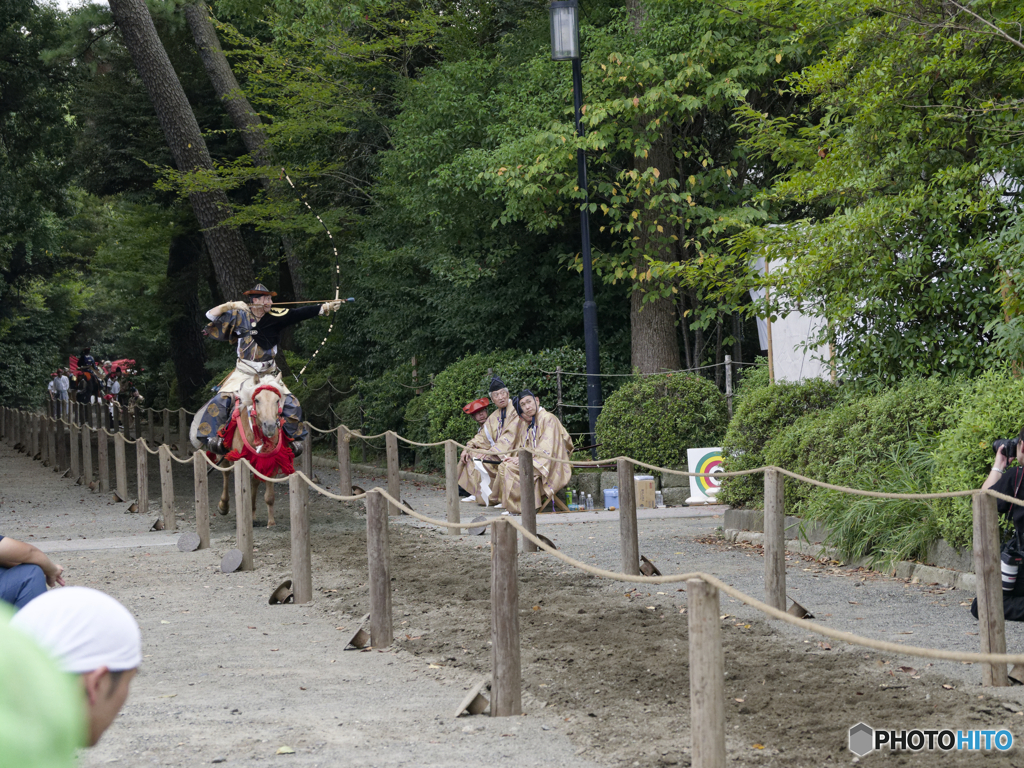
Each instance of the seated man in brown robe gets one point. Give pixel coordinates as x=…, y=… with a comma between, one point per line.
x=542, y=431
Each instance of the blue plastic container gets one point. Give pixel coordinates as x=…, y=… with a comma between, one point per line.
x=611, y=498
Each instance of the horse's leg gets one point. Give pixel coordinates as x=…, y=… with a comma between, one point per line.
x=222, y=505
x=269, y=498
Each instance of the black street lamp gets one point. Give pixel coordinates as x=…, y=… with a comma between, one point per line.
x=565, y=46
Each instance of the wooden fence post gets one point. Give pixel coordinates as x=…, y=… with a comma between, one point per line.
x=302, y=567
x=87, y=473
x=141, y=475
x=394, y=487
x=115, y=416
x=344, y=461
x=62, y=447
x=707, y=676
x=629, y=544
x=990, y=586
x=103, y=458
x=33, y=435
x=774, y=540
x=166, y=427
x=150, y=429
x=202, y=494
x=243, y=515
x=378, y=555
x=46, y=440
x=527, y=498
x=506, y=668
x=451, y=485
x=120, y=468
x=183, y=426
x=76, y=451
x=166, y=487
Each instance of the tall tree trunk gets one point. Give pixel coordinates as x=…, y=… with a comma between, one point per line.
x=183, y=311
x=244, y=117
x=654, y=344
x=231, y=262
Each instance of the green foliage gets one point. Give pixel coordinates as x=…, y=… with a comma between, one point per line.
x=900, y=181
x=884, y=530
x=467, y=380
x=989, y=407
x=760, y=413
x=656, y=418
x=384, y=400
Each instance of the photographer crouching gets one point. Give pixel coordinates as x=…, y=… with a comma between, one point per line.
x=1009, y=481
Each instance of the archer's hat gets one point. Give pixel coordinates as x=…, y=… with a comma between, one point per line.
x=497, y=384
x=476, y=405
x=260, y=290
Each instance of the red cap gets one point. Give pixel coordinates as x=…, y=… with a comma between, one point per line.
x=476, y=405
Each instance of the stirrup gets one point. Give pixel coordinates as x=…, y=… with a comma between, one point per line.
x=298, y=446
x=216, y=445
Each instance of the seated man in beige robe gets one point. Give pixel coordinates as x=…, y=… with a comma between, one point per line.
x=471, y=476
x=542, y=431
x=500, y=432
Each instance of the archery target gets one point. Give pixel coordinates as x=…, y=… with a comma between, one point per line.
x=706, y=461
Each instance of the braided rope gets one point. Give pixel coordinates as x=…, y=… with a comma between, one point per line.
x=835, y=634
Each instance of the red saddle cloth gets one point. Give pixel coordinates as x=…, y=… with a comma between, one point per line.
x=265, y=456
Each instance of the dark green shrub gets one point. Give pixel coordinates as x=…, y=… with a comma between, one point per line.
x=760, y=413
x=656, y=418
x=384, y=400
x=467, y=380
x=989, y=407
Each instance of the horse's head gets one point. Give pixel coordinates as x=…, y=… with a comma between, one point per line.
x=264, y=399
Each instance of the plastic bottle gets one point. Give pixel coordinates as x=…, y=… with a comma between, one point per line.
x=590, y=503
x=658, y=500
x=568, y=500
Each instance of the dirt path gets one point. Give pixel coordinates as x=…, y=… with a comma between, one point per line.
x=604, y=666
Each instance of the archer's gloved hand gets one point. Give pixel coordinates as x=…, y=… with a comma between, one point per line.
x=220, y=309
x=331, y=306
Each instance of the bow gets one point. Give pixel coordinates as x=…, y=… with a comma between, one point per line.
x=337, y=269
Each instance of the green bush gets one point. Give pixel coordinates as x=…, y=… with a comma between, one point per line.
x=467, y=380
x=384, y=400
x=989, y=407
x=656, y=418
x=760, y=413
x=853, y=443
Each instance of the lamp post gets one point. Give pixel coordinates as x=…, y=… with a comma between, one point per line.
x=565, y=46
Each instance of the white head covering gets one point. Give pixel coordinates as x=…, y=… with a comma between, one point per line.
x=84, y=629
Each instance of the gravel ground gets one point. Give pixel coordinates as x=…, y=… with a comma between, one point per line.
x=604, y=663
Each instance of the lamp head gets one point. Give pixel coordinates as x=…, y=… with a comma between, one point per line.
x=565, y=30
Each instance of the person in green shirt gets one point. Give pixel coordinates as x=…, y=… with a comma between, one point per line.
x=94, y=638
x=42, y=710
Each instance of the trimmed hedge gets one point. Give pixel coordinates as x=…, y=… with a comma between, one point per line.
x=656, y=418
x=760, y=413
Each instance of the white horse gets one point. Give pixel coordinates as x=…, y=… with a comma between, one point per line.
x=259, y=435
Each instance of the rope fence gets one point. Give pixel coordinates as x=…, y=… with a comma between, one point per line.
x=67, y=446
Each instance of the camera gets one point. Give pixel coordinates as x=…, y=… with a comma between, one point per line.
x=1011, y=446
